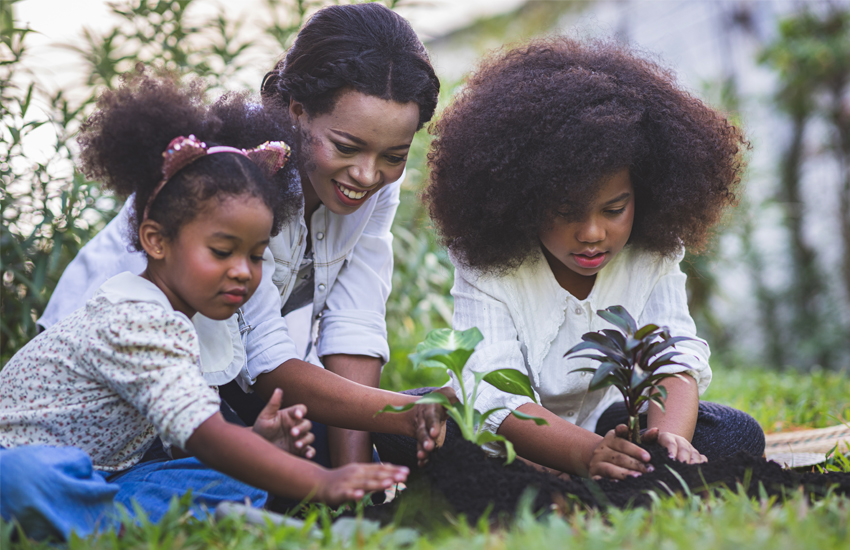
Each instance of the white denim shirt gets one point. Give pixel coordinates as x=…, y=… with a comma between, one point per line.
x=353, y=260
x=529, y=321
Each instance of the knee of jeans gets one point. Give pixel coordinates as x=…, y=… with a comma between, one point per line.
x=40, y=464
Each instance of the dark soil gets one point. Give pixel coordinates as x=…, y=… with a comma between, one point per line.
x=461, y=479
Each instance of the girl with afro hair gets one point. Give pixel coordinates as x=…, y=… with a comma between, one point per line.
x=568, y=177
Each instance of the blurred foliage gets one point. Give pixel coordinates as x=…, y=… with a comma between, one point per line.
x=811, y=55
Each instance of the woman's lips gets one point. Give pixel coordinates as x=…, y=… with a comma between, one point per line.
x=349, y=196
x=590, y=261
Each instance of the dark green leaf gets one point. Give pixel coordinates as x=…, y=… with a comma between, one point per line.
x=488, y=437
x=658, y=400
x=600, y=378
x=619, y=317
x=511, y=381
x=639, y=376
x=645, y=331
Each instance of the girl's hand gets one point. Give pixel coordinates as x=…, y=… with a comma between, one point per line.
x=429, y=425
x=353, y=481
x=287, y=428
x=617, y=458
x=679, y=448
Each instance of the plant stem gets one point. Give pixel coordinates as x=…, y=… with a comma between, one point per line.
x=634, y=429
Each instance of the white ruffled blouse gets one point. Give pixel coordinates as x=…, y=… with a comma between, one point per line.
x=528, y=322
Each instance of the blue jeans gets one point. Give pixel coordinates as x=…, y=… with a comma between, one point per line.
x=52, y=491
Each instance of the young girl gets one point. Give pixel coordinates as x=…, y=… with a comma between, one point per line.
x=568, y=177
x=82, y=402
x=356, y=85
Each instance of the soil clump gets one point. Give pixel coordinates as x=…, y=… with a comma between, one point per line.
x=461, y=479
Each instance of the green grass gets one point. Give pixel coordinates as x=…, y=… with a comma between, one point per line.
x=730, y=520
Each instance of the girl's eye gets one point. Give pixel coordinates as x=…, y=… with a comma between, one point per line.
x=345, y=149
x=616, y=212
x=220, y=253
x=257, y=259
x=393, y=159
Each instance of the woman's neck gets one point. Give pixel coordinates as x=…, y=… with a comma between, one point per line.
x=576, y=284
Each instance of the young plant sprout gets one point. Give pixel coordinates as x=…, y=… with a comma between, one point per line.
x=630, y=360
x=450, y=349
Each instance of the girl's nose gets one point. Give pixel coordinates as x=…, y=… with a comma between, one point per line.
x=240, y=270
x=590, y=231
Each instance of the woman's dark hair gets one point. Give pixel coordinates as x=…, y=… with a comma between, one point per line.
x=122, y=145
x=363, y=47
x=538, y=128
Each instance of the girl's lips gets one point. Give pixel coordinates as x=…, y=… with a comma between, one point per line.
x=590, y=262
x=233, y=298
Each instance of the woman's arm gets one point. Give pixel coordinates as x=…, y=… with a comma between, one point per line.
x=348, y=446
x=248, y=457
x=334, y=400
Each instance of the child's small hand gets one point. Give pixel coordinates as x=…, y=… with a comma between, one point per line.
x=353, y=481
x=287, y=428
x=430, y=426
x=679, y=448
x=617, y=458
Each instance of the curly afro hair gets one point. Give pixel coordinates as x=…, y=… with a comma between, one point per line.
x=363, y=47
x=123, y=141
x=538, y=128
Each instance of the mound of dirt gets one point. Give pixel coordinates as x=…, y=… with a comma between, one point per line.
x=461, y=479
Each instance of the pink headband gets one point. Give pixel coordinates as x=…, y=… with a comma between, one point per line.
x=270, y=157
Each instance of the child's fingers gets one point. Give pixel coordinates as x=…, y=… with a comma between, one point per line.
x=296, y=412
x=273, y=405
x=306, y=439
x=301, y=428
x=627, y=448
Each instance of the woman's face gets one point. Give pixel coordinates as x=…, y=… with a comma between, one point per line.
x=354, y=150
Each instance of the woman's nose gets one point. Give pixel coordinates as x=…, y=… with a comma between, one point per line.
x=365, y=173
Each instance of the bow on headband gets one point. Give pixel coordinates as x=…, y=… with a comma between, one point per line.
x=270, y=157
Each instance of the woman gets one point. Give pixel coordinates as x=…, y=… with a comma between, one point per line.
x=356, y=84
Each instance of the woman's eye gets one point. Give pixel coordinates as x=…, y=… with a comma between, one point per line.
x=220, y=253
x=345, y=149
x=616, y=212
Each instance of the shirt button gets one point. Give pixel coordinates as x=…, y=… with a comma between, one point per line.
x=320, y=236
x=571, y=414
x=321, y=287
x=579, y=311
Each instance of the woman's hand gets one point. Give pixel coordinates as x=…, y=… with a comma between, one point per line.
x=617, y=458
x=429, y=426
x=679, y=448
x=286, y=428
x=353, y=481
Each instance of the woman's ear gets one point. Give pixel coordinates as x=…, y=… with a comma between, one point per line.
x=152, y=239
x=296, y=110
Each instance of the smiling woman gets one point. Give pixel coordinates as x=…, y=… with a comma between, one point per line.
x=355, y=86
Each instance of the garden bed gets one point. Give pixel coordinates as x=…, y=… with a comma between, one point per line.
x=461, y=479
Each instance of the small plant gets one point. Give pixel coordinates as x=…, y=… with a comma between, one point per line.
x=451, y=349
x=629, y=361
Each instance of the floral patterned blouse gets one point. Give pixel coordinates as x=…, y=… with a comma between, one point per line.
x=108, y=379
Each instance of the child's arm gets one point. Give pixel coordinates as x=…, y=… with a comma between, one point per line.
x=569, y=448
x=333, y=400
x=248, y=457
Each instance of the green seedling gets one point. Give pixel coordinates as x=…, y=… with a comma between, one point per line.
x=450, y=350
x=629, y=360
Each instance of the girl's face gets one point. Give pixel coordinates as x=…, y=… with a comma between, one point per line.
x=215, y=262
x=354, y=150
x=578, y=250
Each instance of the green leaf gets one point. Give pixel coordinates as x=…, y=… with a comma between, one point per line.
x=616, y=336
x=448, y=348
x=536, y=419
x=485, y=415
x=511, y=381
x=488, y=437
x=619, y=317
x=658, y=401
x=639, y=376
x=645, y=331
x=661, y=345
x=394, y=409
x=427, y=399
x=662, y=391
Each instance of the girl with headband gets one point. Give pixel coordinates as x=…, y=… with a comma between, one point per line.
x=82, y=403
x=356, y=85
